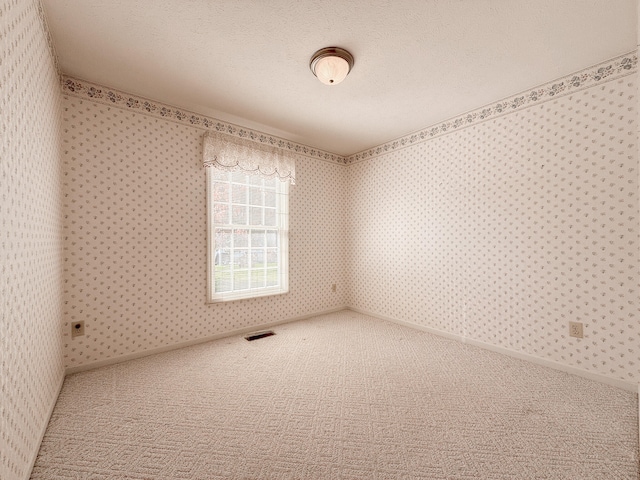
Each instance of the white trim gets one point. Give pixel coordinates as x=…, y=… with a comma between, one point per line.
x=614, y=382
x=210, y=241
x=282, y=215
x=244, y=295
x=188, y=343
x=46, y=425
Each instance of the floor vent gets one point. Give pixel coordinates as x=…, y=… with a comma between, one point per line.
x=258, y=335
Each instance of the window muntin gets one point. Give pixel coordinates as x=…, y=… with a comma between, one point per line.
x=248, y=235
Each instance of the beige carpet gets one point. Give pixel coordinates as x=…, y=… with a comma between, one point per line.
x=338, y=396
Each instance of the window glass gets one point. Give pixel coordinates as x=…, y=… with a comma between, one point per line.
x=248, y=231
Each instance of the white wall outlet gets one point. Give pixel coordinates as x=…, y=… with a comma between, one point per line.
x=575, y=329
x=77, y=329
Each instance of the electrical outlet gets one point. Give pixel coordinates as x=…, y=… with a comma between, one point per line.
x=333, y=287
x=575, y=329
x=77, y=329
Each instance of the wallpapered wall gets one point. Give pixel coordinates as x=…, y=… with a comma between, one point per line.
x=501, y=232
x=501, y=228
x=31, y=242
x=505, y=230
x=135, y=251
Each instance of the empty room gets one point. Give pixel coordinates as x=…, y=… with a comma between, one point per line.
x=319, y=239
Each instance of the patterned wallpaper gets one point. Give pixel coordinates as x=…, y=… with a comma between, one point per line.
x=135, y=249
x=31, y=240
x=505, y=230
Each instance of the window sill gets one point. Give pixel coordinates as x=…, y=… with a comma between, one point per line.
x=247, y=296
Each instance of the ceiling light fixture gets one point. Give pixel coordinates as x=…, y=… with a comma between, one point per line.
x=331, y=65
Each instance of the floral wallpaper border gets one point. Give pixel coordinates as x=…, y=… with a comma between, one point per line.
x=109, y=96
x=611, y=69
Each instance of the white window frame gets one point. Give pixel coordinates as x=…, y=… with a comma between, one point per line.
x=282, y=224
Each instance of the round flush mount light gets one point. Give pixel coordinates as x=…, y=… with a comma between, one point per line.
x=331, y=65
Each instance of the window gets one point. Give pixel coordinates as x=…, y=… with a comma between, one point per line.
x=248, y=235
x=248, y=216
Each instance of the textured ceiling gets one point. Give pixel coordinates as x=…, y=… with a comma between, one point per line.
x=417, y=62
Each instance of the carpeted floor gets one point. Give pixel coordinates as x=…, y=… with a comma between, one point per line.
x=338, y=396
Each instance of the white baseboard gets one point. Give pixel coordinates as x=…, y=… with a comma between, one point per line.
x=615, y=382
x=45, y=425
x=188, y=343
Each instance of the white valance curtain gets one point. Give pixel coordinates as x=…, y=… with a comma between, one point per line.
x=238, y=154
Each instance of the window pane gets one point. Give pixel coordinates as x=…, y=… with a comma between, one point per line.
x=255, y=196
x=241, y=280
x=255, y=215
x=239, y=215
x=270, y=182
x=223, y=278
x=272, y=277
x=222, y=256
x=255, y=179
x=257, y=258
x=219, y=175
x=223, y=239
x=270, y=198
x=240, y=238
x=272, y=238
x=257, y=238
x=239, y=193
x=220, y=192
x=257, y=278
x=272, y=257
x=220, y=213
x=240, y=258
x=270, y=217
